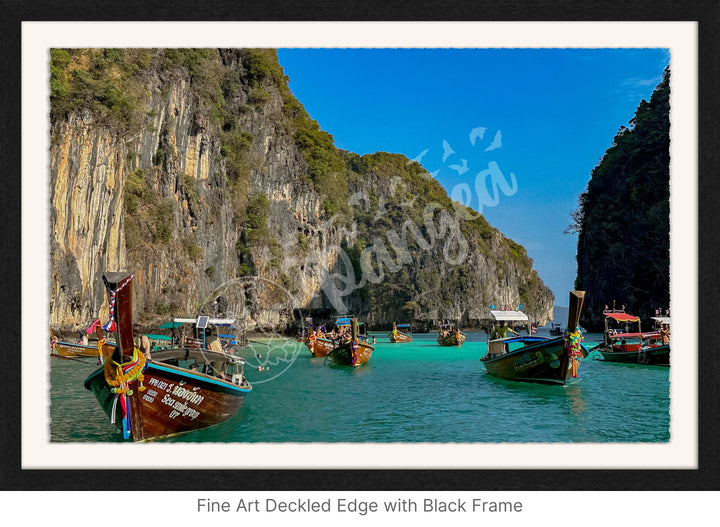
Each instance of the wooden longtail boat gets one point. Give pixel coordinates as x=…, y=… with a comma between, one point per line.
x=633, y=347
x=68, y=349
x=175, y=391
x=319, y=346
x=400, y=333
x=356, y=352
x=449, y=335
x=534, y=358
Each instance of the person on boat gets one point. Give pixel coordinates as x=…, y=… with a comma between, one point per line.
x=213, y=342
x=145, y=346
x=665, y=334
x=501, y=331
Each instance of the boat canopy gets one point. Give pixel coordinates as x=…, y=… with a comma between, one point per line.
x=622, y=317
x=403, y=325
x=508, y=316
x=170, y=325
x=345, y=321
x=662, y=320
x=158, y=337
x=204, y=321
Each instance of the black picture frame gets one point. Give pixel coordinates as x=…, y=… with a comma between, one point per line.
x=14, y=477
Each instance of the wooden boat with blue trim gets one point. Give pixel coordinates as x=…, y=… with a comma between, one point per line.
x=535, y=358
x=400, y=333
x=355, y=352
x=175, y=391
x=59, y=348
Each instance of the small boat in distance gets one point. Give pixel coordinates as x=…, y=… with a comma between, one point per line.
x=84, y=347
x=354, y=352
x=400, y=333
x=535, y=358
x=167, y=392
x=628, y=344
x=555, y=329
x=59, y=348
x=450, y=335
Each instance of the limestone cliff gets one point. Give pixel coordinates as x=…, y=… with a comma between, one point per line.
x=198, y=168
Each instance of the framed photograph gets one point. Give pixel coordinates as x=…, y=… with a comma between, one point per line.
x=209, y=196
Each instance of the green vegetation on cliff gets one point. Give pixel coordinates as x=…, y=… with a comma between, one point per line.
x=427, y=249
x=623, y=218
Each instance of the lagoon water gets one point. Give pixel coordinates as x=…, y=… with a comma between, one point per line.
x=417, y=392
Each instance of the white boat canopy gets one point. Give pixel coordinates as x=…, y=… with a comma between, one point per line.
x=204, y=321
x=662, y=320
x=508, y=316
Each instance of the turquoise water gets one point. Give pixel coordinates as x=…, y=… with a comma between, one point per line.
x=416, y=392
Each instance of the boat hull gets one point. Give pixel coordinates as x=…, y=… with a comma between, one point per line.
x=656, y=356
x=346, y=356
x=175, y=401
x=66, y=349
x=451, y=339
x=545, y=362
x=399, y=337
x=321, y=347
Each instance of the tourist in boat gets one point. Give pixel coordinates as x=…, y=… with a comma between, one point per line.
x=665, y=334
x=145, y=346
x=501, y=331
x=213, y=342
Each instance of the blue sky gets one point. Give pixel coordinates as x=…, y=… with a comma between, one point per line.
x=546, y=116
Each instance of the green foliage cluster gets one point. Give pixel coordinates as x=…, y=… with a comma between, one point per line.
x=149, y=219
x=194, y=60
x=262, y=65
x=624, y=216
x=255, y=234
x=104, y=81
x=236, y=145
x=398, y=193
x=326, y=168
x=256, y=220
